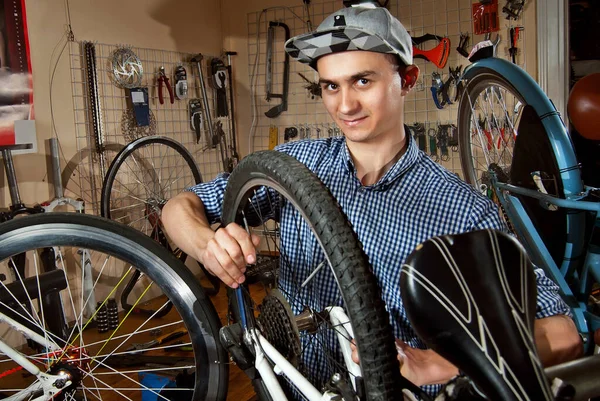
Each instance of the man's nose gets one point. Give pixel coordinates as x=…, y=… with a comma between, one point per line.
x=349, y=103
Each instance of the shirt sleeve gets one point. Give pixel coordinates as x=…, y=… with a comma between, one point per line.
x=262, y=206
x=485, y=214
x=211, y=194
x=549, y=302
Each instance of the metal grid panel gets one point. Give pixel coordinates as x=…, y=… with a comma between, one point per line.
x=441, y=17
x=172, y=120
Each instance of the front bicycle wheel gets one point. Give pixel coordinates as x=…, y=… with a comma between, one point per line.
x=311, y=260
x=115, y=354
x=142, y=178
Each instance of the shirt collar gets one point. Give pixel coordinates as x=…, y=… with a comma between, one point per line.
x=408, y=159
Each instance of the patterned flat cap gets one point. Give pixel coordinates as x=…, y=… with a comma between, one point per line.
x=353, y=28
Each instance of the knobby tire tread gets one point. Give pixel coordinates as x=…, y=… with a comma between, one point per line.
x=359, y=288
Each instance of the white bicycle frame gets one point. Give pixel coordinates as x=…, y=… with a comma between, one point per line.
x=51, y=385
x=269, y=362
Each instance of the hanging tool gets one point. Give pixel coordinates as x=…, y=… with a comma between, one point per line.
x=433, y=153
x=277, y=110
x=452, y=131
x=462, y=44
x=273, y=136
x=438, y=55
x=181, y=86
x=163, y=80
x=436, y=89
x=313, y=87
x=514, y=38
x=442, y=141
x=165, y=338
x=218, y=81
x=419, y=134
x=195, y=109
x=95, y=107
x=513, y=9
x=137, y=99
x=235, y=158
x=208, y=118
x=221, y=138
x=290, y=133
x=485, y=18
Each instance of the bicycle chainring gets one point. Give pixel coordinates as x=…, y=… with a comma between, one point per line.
x=278, y=326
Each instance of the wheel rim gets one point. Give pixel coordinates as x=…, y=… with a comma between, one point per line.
x=494, y=112
x=144, y=180
x=303, y=318
x=99, y=363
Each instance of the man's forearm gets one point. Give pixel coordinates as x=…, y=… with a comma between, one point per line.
x=557, y=340
x=185, y=222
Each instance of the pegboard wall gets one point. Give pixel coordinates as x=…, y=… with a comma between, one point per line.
x=172, y=120
x=446, y=18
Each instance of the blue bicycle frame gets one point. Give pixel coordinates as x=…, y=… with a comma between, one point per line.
x=571, y=269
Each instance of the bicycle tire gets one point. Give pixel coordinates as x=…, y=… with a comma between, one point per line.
x=156, y=199
x=157, y=195
x=197, y=313
x=351, y=269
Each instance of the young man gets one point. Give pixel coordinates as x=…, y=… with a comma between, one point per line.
x=392, y=193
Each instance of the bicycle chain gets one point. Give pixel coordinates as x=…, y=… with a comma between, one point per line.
x=279, y=327
x=93, y=97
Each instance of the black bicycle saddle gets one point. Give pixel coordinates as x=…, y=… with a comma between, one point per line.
x=472, y=298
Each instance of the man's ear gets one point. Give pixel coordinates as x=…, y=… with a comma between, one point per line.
x=409, y=77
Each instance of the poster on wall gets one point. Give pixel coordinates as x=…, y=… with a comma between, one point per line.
x=17, y=123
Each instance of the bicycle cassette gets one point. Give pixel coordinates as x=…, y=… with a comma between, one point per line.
x=278, y=326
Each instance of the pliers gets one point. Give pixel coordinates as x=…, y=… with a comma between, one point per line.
x=162, y=78
x=157, y=341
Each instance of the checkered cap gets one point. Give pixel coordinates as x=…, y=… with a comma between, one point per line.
x=353, y=28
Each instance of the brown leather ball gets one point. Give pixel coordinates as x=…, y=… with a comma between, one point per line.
x=584, y=106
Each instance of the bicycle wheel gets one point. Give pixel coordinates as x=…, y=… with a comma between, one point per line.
x=300, y=221
x=82, y=175
x=500, y=132
x=489, y=113
x=142, y=178
x=96, y=356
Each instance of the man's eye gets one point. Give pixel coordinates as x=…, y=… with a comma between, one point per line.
x=331, y=87
x=363, y=82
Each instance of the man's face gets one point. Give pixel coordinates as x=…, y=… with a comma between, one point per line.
x=362, y=91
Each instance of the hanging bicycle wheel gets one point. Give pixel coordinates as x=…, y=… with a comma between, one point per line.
x=489, y=114
x=115, y=354
x=142, y=178
x=310, y=261
x=500, y=132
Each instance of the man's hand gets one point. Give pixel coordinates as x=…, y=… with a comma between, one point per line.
x=419, y=366
x=228, y=252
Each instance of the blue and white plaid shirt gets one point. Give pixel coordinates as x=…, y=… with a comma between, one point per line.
x=415, y=200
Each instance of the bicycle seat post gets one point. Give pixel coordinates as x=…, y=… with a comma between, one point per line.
x=13, y=188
